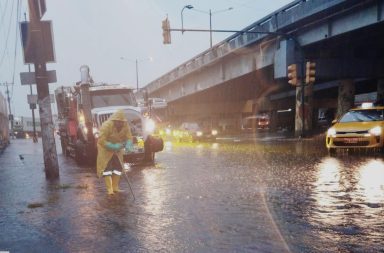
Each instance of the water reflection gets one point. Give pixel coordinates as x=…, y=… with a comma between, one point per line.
x=371, y=182
x=156, y=216
x=348, y=194
x=327, y=184
x=168, y=145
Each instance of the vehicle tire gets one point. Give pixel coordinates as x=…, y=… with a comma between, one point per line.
x=149, y=157
x=64, y=147
x=332, y=151
x=79, y=157
x=91, y=156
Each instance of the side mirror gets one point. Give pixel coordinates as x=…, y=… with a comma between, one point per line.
x=334, y=121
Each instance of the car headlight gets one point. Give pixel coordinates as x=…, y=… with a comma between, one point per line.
x=199, y=133
x=214, y=132
x=331, y=132
x=149, y=126
x=375, y=131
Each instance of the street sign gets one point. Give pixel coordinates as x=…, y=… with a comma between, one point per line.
x=32, y=99
x=30, y=40
x=27, y=78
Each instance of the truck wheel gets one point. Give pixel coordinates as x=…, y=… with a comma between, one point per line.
x=332, y=151
x=91, y=157
x=64, y=148
x=149, y=157
x=79, y=157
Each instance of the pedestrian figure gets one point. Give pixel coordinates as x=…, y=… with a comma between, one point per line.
x=115, y=135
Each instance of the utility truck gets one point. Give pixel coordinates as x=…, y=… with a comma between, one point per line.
x=84, y=107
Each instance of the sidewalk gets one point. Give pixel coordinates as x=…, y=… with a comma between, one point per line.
x=63, y=216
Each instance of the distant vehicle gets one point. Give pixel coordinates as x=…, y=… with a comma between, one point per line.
x=191, y=131
x=255, y=122
x=157, y=103
x=84, y=107
x=23, y=127
x=359, y=128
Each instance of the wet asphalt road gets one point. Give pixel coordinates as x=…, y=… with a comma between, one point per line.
x=257, y=196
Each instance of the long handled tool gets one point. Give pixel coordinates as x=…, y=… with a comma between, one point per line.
x=126, y=178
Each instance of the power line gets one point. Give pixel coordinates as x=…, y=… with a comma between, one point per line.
x=3, y=14
x=6, y=41
x=16, y=39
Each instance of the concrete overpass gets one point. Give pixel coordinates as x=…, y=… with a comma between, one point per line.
x=246, y=73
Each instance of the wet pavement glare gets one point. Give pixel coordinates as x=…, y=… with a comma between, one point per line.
x=279, y=196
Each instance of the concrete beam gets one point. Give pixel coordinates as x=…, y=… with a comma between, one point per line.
x=331, y=69
x=346, y=96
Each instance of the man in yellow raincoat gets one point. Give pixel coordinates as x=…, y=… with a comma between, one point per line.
x=115, y=135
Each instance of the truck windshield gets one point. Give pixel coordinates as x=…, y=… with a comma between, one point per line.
x=105, y=98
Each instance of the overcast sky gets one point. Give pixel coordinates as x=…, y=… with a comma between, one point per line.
x=99, y=32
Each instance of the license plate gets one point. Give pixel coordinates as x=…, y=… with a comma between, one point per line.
x=351, y=140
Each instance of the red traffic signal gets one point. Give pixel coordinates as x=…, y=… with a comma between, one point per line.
x=166, y=31
x=310, y=72
x=292, y=75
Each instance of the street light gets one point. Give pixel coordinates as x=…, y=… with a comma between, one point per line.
x=210, y=13
x=188, y=7
x=137, y=67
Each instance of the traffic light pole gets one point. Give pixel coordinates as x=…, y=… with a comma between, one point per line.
x=47, y=128
x=226, y=31
x=9, y=106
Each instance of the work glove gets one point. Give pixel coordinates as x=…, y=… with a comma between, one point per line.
x=129, y=145
x=113, y=146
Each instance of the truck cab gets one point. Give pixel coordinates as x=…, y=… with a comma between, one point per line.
x=89, y=107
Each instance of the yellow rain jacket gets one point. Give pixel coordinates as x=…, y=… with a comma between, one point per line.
x=108, y=133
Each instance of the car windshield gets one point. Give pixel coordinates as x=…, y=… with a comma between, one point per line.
x=363, y=116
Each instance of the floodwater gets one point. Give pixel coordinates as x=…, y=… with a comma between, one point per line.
x=279, y=196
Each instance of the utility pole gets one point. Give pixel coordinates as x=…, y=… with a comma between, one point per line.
x=32, y=106
x=10, y=116
x=47, y=128
x=137, y=76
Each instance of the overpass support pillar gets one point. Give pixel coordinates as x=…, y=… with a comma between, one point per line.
x=346, y=99
x=380, y=90
x=304, y=110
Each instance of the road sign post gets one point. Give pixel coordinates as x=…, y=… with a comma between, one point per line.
x=36, y=45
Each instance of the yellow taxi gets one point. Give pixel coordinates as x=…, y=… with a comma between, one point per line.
x=359, y=128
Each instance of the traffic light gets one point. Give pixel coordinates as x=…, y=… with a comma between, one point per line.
x=166, y=31
x=310, y=72
x=292, y=74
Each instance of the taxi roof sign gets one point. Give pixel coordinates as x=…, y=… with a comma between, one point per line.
x=366, y=105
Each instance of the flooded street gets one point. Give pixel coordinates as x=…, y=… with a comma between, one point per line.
x=279, y=196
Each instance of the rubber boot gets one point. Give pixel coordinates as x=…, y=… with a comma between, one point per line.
x=115, y=183
x=108, y=184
